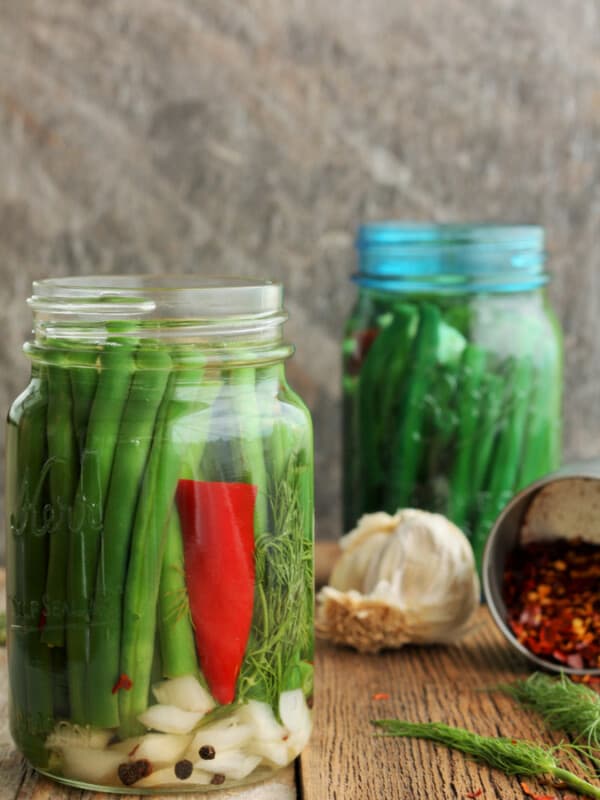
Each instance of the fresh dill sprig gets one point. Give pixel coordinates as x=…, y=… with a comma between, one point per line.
x=563, y=705
x=281, y=633
x=511, y=756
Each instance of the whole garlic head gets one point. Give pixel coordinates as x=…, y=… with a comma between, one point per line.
x=404, y=578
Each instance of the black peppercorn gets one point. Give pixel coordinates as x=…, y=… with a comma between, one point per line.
x=144, y=768
x=218, y=779
x=128, y=774
x=207, y=752
x=183, y=769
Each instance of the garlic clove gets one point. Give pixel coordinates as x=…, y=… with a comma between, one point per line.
x=368, y=525
x=349, y=571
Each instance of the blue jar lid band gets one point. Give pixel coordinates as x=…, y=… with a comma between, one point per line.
x=414, y=257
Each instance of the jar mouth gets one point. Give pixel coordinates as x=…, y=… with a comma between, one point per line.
x=231, y=318
x=150, y=296
x=413, y=256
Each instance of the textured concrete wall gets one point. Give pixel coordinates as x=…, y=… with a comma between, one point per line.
x=208, y=136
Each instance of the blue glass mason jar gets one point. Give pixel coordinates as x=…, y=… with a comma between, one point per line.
x=452, y=372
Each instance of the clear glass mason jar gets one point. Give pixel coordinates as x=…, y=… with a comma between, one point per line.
x=160, y=537
x=452, y=372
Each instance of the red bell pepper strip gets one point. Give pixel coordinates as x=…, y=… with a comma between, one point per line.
x=217, y=521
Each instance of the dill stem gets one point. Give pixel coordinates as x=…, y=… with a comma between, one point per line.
x=581, y=786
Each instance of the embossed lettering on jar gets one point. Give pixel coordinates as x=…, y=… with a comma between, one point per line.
x=452, y=372
x=159, y=537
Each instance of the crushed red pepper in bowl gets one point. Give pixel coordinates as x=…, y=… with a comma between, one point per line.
x=552, y=595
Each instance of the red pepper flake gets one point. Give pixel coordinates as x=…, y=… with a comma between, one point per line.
x=363, y=341
x=552, y=596
x=134, y=751
x=381, y=696
x=476, y=793
x=530, y=793
x=124, y=682
x=43, y=619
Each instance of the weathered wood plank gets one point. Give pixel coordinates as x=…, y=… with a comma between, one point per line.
x=346, y=760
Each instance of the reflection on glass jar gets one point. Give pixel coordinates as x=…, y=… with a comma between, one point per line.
x=160, y=535
x=452, y=372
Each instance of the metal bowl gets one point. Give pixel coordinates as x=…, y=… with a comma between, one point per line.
x=502, y=540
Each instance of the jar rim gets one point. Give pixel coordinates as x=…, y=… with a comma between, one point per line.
x=413, y=233
x=409, y=256
x=204, y=297
x=237, y=318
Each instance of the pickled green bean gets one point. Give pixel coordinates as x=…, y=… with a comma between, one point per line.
x=469, y=405
x=117, y=364
x=133, y=445
x=509, y=448
x=487, y=429
x=84, y=379
x=31, y=679
x=242, y=384
x=62, y=448
x=176, y=635
x=155, y=505
x=408, y=441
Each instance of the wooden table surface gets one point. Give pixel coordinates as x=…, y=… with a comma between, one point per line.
x=345, y=760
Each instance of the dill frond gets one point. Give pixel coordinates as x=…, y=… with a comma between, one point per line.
x=563, y=705
x=511, y=756
x=281, y=637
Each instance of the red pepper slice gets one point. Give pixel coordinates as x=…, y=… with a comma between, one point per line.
x=217, y=521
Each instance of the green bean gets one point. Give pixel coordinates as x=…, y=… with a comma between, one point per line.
x=540, y=455
x=275, y=433
x=506, y=460
x=381, y=377
x=242, y=387
x=117, y=364
x=439, y=428
x=176, y=635
x=62, y=449
x=31, y=681
x=408, y=438
x=84, y=379
x=352, y=491
x=469, y=405
x=154, y=508
x=485, y=436
x=148, y=387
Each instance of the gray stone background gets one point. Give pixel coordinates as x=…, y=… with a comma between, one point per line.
x=213, y=136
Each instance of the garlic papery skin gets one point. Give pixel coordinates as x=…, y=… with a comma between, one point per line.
x=409, y=577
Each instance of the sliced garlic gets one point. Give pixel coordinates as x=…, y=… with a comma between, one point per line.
x=90, y=766
x=185, y=692
x=220, y=737
x=159, y=748
x=66, y=734
x=170, y=719
x=262, y=719
x=234, y=764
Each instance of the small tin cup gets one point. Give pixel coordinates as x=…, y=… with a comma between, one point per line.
x=504, y=537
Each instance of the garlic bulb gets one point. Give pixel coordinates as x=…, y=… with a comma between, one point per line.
x=405, y=578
